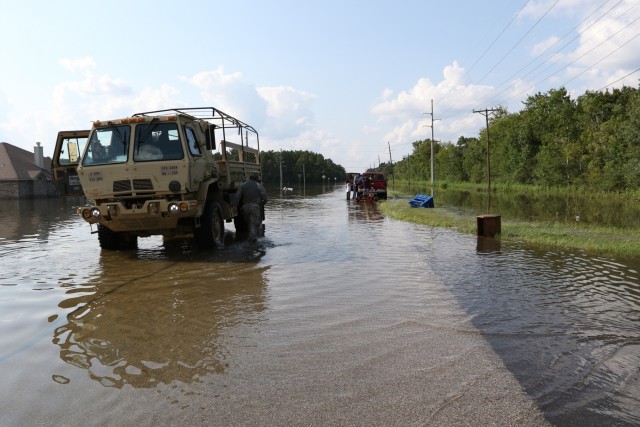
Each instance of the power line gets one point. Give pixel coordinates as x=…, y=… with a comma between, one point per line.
x=615, y=9
x=518, y=42
x=495, y=40
x=488, y=100
x=621, y=78
x=610, y=53
x=585, y=54
x=464, y=95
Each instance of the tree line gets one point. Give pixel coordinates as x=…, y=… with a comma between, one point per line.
x=592, y=141
x=299, y=167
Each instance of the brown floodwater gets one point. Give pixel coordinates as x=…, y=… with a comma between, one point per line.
x=328, y=312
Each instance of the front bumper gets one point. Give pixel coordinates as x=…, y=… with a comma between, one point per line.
x=142, y=216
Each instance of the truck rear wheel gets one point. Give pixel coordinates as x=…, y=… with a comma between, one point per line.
x=112, y=240
x=210, y=234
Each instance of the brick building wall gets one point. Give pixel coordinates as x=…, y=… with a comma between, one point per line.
x=24, y=189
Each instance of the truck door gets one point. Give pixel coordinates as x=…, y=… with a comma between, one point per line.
x=66, y=156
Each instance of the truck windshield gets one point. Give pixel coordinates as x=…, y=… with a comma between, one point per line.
x=157, y=141
x=107, y=145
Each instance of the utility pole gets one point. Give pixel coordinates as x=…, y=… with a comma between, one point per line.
x=432, y=151
x=486, y=113
x=281, y=171
x=393, y=175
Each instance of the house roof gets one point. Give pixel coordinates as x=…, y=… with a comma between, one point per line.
x=19, y=164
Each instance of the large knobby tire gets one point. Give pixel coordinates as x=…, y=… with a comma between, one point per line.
x=210, y=234
x=112, y=240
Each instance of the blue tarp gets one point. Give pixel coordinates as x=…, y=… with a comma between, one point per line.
x=421, y=201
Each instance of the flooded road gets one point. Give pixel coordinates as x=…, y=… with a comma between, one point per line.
x=338, y=316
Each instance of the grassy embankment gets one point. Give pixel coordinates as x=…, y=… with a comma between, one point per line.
x=595, y=240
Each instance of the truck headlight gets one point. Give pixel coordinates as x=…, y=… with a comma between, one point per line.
x=95, y=212
x=174, y=208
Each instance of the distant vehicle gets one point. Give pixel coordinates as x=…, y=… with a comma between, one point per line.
x=350, y=180
x=375, y=183
x=158, y=173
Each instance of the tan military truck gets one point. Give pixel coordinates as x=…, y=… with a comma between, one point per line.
x=169, y=172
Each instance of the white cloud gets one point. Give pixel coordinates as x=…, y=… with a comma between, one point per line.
x=92, y=86
x=232, y=94
x=75, y=103
x=78, y=102
x=536, y=9
x=454, y=101
x=545, y=45
x=608, y=44
x=75, y=64
x=283, y=115
x=289, y=111
x=611, y=42
x=278, y=112
x=92, y=94
x=455, y=98
x=406, y=103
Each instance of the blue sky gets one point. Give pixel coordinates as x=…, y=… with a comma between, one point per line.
x=347, y=79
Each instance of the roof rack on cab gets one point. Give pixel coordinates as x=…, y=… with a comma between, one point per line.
x=212, y=115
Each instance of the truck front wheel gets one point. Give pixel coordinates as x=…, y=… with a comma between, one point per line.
x=112, y=240
x=210, y=234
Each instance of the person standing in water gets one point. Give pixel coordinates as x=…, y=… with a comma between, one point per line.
x=251, y=196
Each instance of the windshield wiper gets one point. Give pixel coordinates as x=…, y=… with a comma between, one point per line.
x=114, y=127
x=150, y=127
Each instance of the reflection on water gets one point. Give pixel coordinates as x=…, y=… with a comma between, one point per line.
x=487, y=245
x=542, y=207
x=364, y=211
x=31, y=219
x=162, y=321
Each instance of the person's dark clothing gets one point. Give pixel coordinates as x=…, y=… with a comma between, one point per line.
x=251, y=196
x=251, y=192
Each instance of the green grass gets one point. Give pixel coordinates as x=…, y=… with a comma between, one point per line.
x=527, y=189
x=595, y=240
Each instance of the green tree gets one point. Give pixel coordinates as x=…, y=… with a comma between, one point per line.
x=294, y=163
x=474, y=159
x=450, y=161
x=552, y=117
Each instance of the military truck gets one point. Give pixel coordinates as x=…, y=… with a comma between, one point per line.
x=168, y=172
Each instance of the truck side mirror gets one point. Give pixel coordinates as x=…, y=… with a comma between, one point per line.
x=211, y=137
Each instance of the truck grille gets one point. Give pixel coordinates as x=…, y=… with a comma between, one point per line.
x=123, y=185
x=138, y=185
x=142, y=184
